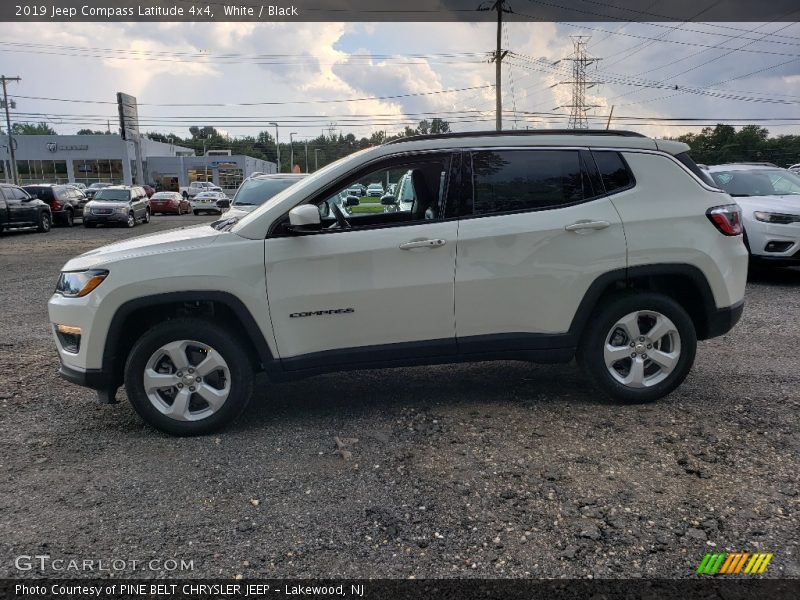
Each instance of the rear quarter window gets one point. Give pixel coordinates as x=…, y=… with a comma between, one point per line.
x=689, y=163
x=614, y=171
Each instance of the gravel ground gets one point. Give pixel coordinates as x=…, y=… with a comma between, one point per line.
x=483, y=470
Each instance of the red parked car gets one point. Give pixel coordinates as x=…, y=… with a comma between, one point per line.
x=169, y=203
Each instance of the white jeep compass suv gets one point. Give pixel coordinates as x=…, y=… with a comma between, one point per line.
x=534, y=245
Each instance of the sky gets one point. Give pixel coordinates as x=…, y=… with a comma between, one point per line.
x=365, y=77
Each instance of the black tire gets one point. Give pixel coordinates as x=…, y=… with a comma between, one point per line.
x=591, y=349
x=89, y=225
x=69, y=218
x=45, y=222
x=131, y=220
x=196, y=212
x=146, y=217
x=198, y=330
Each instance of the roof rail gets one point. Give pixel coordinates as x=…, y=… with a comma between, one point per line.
x=518, y=132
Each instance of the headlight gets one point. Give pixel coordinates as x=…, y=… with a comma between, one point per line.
x=782, y=218
x=123, y=210
x=77, y=284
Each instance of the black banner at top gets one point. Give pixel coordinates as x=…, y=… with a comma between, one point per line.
x=392, y=10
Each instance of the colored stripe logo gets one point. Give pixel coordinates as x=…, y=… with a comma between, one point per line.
x=732, y=563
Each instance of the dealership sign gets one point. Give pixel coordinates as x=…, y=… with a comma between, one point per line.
x=54, y=147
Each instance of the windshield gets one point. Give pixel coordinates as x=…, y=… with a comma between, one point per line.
x=113, y=195
x=254, y=192
x=98, y=186
x=758, y=182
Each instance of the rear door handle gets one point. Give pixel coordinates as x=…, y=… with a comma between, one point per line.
x=437, y=243
x=581, y=225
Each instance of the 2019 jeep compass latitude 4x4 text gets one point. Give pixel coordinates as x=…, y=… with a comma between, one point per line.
x=606, y=246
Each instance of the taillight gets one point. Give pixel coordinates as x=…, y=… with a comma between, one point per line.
x=56, y=205
x=727, y=219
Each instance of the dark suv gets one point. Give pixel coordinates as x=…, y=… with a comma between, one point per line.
x=66, y=202
x=18, y=210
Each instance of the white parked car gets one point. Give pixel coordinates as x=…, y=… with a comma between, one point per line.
x=375, y=190
x=257, y=189
x=770, y=201
x=209, y=202
x=606, y=246
x=198, y=187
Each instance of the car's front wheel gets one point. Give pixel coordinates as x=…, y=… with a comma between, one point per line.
x=147, y=216
x=188, y=377
x=131, y=222
x=638, y=347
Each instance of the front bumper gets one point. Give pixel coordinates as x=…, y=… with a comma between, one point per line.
x=97, y=379
x=100, y=219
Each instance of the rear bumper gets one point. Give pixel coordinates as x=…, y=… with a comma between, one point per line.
x=724, y=319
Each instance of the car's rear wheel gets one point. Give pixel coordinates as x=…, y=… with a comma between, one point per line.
x=638, y=347
x=69, y=218
x=188, y=377
x=45, y=222
x=196, y=212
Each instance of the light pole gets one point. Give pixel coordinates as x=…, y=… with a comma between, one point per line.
x=316, y=160
x=291, y=151
x=306, y=156
x=277, y=147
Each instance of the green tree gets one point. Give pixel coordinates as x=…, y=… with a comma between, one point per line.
x=32, y=129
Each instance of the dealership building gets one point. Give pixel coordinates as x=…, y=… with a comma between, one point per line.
x=108, y=158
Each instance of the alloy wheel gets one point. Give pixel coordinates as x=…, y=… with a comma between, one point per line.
x=642, y=349
x=187, y=380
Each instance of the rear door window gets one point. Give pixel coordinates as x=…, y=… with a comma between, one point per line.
x=507, y=181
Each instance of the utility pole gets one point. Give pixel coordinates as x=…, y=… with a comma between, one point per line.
x=291, y=151
x=11, y=144
x=277, y=148
x=578, y=107
x=608, y=123
x=306, y=156
x=497, y=58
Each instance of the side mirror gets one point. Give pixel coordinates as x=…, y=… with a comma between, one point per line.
x=224, y=203
x=304, y=218
x=388, y=200
x=352, y=201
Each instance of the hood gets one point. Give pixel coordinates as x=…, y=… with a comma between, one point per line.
x=776, y=204
x=239, y=211
x=100, y=203
x=184, y=238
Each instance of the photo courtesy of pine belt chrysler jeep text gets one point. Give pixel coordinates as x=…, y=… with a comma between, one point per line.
x=540, y=246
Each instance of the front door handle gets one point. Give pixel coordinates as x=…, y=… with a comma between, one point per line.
x=581, y=225
x=422, y=244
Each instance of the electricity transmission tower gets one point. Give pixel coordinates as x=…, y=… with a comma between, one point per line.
x=578, y=107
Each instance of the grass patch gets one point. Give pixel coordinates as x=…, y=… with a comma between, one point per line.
x=371, y=208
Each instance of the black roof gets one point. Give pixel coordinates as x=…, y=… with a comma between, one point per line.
x=519, y=132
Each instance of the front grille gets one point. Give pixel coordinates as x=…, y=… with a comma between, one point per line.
x=102, y=211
